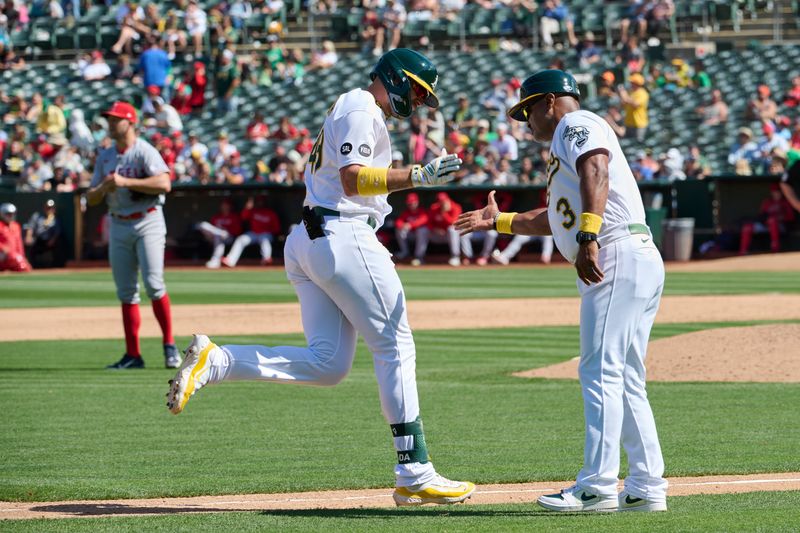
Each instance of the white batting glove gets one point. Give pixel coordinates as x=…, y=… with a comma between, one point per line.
x=439, y=171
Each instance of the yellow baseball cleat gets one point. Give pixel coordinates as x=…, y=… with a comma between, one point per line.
x=440, y=490
x=193, y=374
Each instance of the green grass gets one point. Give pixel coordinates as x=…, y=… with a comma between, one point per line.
x=200, y=287
x=761, y=511
x=72, y=430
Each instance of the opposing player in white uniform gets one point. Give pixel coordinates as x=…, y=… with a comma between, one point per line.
x=595, y=214
x=344, y=278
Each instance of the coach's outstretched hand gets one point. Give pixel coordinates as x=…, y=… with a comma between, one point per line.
x=439, y=171
x=479, y=220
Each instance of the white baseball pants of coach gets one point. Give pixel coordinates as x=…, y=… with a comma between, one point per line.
x=347, y=285
x=616, y=317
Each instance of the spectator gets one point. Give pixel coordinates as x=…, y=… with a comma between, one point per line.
x=196, y=168
x=193, y=146
x=715, y=112
x=35, y=108
x=167, y=116
x=494, y=101
x=181, y=96
x=440, y=229
x=605, y=87
x=286, y=130
x=264, y=226
x=304, y=143
x=279, y=158
x=54, y=10
x=80, y=134
x=232, y=172
x=743, y=153
x=223, y=228
x=123, y=71
x=12, y=252
x=770, y=142
x=553, y=14
x=239, y=12
x=505, y=144
x=198, y=81
x=131, y=21
x=794, y=140
x=631, y=56
x=294, y=71
x=409, y=226
x=36, y=176
x=700, y=78
x=258, y=130
x=616, y=120
x=53, y=121
x=656, y=78
x=658, y=14
x=696, y=165
x=370, y=24
x=174, y=36
x=527, y=174
x=672, y=165
x=792, y=96
x=154, y=65
x=463, y=119
x=10, y=60
x=774, y=216
x=588, y=53
x=276, y=55
x=393, y=18
x=636, y=16
x=489, y=238
x=324, y=60
x=680, y=74
x=227, y=83
x=222, y=151
x=635, y=104
x=43, y=238
x=762, y=107
x=17, y=108
x=196, y=25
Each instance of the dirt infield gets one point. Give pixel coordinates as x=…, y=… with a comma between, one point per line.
x=765, y=354
x=358, y=499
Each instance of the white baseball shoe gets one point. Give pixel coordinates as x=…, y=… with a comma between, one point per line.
x=213, y=263
x=193, y=374
x=576, y=499
x=498, y=256
x=439, y=490
x=629, y=502
x=454, y=262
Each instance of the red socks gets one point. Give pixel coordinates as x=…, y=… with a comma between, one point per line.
x=774, y=234
x=161, y=309
x=131, y=320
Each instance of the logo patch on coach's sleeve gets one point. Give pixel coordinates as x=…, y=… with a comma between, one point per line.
x=579, y=134
x=346, y=148
x=365, y=150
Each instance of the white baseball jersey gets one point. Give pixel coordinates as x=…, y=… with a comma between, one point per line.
x=354, y=132
x=580, y=132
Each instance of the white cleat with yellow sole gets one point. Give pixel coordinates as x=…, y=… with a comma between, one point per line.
x=193, y=373
x=440, y=491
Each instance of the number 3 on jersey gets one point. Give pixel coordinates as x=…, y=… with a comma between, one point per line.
x=563, y=207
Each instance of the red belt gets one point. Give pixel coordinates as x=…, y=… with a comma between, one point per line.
x=133, y=216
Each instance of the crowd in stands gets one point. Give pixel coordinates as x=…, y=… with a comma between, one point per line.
x=57, y=154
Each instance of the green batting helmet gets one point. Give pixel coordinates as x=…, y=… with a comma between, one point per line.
x=397, y=69
x=553, y=81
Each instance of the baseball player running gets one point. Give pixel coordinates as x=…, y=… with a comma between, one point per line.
x=595, y=214
x=345, y=279
x=133, y=178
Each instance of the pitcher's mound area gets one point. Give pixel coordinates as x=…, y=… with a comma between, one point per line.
x=766, y=354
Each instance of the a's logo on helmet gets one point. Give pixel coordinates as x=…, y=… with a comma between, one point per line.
x=435, y=81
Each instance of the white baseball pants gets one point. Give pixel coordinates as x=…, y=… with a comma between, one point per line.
x=616, y=317
x=488, y=238
x=218, y=238
x=347, y=285
x=451, y=237
x=519, y=241
x=264, y=240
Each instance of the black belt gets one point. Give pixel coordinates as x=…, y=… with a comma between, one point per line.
x=325, y=212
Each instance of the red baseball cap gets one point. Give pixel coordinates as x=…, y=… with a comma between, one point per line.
x=153, y=90
x=412, y=198
x=121, y=110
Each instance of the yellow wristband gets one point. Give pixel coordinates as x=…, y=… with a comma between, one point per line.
x=371, y=181
x=590, y=223
x=503, y=222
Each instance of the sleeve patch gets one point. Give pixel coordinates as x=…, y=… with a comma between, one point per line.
x=346, y=148
x=578, y=134
x=365, y=150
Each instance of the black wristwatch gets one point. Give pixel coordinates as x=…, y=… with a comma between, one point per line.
x=583, y=236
